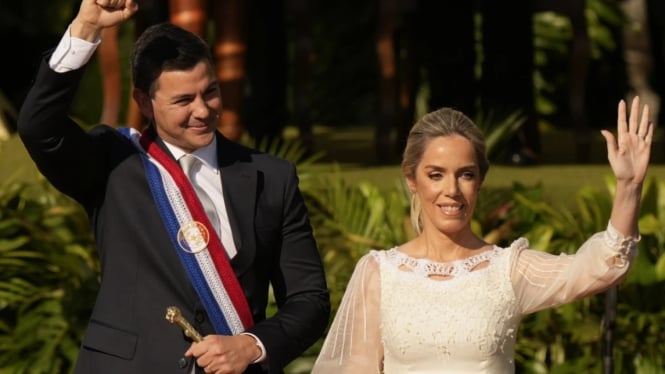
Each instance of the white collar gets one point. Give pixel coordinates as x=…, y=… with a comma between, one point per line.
x=207, y=154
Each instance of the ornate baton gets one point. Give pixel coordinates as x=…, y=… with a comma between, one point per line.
x=173, y=315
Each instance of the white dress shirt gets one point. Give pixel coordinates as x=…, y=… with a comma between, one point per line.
x=72, y=53
x=207, y=176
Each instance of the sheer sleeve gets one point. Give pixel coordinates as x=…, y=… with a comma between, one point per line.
x=353, y=344
x=542, y=280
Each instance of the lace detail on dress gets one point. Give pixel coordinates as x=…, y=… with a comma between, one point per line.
x=466, y=324
x=426, y=268
x=626, y=245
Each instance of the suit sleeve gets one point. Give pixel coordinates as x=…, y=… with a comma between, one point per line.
x=299, y=285
x=63, y=152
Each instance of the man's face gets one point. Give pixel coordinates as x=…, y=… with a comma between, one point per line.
x=185, y=106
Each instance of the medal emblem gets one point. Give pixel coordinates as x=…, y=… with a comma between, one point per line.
x=193, y=237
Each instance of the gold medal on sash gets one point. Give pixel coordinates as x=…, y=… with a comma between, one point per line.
x=193, y=237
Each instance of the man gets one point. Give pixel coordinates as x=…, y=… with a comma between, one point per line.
x=163, y=242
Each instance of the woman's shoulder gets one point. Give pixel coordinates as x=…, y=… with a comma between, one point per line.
x=511, y=252
x=518, y=244
x=375, y=257
x=380, y=254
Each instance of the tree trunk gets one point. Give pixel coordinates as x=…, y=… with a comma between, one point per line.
x=303, y=58
x=109, y=64
x=385, y=53
x=191, y=15
x=229, y=51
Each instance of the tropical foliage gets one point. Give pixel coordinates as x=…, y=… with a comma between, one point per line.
x=49, y=278
x=50, y=273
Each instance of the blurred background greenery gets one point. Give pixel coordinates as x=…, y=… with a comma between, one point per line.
x=343, y=84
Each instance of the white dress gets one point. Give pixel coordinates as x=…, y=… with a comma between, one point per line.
x=400, y=314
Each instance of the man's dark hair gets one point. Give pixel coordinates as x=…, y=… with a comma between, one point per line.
x=165, y=47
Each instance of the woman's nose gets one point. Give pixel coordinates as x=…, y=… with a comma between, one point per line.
x=451, y=187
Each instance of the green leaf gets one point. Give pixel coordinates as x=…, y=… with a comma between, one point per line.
x=660, y=268
x=642, y=272
x=13, y=243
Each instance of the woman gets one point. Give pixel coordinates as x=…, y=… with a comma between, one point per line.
x=447, y=301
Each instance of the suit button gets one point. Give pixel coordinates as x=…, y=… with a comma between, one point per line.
x=200, y=317
x=182, y=363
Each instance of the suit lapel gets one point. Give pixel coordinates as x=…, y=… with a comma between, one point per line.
x=239, y=181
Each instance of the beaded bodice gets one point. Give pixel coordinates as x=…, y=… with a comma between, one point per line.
x=466, y=319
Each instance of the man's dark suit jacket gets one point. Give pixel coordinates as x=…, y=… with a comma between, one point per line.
x=141, y=272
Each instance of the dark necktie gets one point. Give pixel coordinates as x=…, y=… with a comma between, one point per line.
x=188, y=162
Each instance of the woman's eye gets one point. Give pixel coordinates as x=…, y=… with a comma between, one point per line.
x=435, y=176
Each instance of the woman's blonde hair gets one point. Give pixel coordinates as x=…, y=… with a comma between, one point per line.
x=441, y=122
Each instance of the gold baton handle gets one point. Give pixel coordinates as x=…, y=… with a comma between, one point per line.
x=173, y=315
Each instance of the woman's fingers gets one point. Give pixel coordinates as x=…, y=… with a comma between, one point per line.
x=633, y=119
x=611, y=142
x=634, y=123
x=645, y=124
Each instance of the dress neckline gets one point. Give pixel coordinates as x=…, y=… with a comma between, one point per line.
x=428, y=268
x=482, y=254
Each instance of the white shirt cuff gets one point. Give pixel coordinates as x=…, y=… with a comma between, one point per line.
x=263, y=355
x=72, y=53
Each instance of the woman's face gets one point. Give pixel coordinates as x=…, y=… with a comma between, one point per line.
x=447, y=181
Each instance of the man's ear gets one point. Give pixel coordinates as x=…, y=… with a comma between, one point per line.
x=143, y=101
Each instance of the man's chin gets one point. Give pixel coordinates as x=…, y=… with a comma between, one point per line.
x=204, y=139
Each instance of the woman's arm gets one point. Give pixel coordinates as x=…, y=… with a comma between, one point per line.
x=543, y=280
x=353, y=344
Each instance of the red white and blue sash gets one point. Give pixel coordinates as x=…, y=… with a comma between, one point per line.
x=209, y=269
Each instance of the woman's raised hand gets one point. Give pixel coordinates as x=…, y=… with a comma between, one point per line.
x=630, y=150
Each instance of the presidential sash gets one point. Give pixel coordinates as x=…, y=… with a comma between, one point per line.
x=194, y=239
